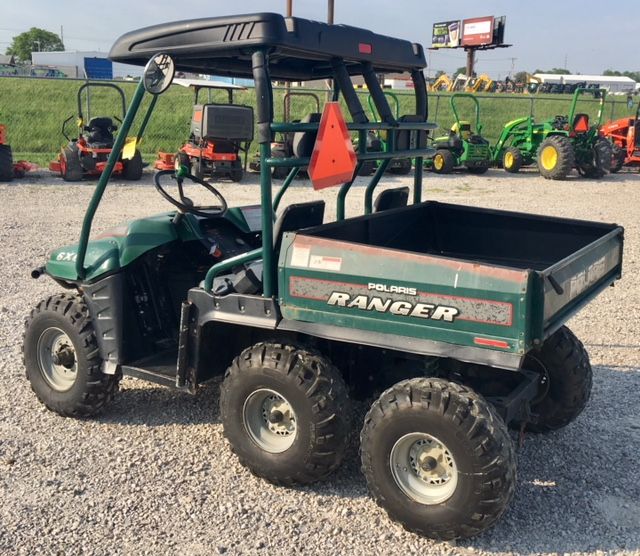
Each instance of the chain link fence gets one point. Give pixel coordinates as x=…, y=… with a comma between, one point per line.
x=33, y=110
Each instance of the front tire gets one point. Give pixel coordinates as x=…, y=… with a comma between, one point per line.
x=437, y=458
x=286, y=413
x=512, y=160
x=565, y=381
x=62, y=359
x=443, y=162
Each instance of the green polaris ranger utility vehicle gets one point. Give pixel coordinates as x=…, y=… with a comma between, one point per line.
x=451, y=315
x=558, y=145
x=464, y=146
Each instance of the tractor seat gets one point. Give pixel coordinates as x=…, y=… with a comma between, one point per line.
x=581, y=123
x=248, y=279
x=478, y=140
x=100, y=132
x=391, y=199
x=303, y=141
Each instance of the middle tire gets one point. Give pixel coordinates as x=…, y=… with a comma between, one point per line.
x=286, y=413
x=438, y=458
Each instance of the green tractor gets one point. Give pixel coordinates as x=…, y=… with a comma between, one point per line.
x=558, y=145
x=450, y=318
x=462, y=147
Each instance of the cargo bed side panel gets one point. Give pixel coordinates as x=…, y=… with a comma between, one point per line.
x=573, y=282
x=329, y=281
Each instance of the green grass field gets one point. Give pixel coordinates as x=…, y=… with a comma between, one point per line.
x=33, y=111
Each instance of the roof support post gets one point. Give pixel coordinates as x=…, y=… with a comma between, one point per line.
x=264, y=108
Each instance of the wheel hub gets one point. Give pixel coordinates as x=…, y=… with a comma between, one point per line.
x=270, y=420
x=57, y=359
x=278, y=415
x=430, y=461
x=424, y=468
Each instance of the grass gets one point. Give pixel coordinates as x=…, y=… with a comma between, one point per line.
x=33, y=111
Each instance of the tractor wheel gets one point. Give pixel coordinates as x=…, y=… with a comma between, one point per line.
x=197, y=169
x=132, y=168
x=367, y=168
x=6, y=163
x=617, y=159
x=403, y=168
x=556, y=157
x=438, y=458
x=62, y=360
x=512, y=160
x=443, y=162
x=237, y=172
x=182, y=159
x=70, y=165
x=478, y=170
x=279, y=172
x=286, y=413
x=565, y=381
x=600, y=165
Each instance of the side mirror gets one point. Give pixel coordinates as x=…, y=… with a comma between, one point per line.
x=158, y=74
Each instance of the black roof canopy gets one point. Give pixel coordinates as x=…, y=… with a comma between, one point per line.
x=300, y=49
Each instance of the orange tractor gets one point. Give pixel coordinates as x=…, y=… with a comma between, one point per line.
x=8, y=168
x=219, y=134
x=86, y=155
x=625, y=136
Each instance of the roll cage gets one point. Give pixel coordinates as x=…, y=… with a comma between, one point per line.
x=270, y=47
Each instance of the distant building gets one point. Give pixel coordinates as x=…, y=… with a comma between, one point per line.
x=86, y=64
x=614, y=84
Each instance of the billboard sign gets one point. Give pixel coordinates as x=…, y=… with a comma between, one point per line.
x=446, y=34
x=477, y=31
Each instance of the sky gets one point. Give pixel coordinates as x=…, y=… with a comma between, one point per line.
x=544, y=33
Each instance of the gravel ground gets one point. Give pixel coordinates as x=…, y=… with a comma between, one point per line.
x=154, y=475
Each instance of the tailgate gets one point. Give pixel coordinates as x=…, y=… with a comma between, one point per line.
x=572, y=282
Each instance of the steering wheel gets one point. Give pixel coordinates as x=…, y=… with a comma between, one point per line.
x=184, y=204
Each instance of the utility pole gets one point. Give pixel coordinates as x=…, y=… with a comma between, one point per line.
x=62, y=34
x=471, y=53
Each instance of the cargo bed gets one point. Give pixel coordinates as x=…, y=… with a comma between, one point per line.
x=503, y=280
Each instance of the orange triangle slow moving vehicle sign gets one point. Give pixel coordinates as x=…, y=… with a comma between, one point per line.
x=333, y=160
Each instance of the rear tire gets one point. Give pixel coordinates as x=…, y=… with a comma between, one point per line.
x=512, y=160
x=286, y=413
x=478, y=170
x=565, y=381
x=600, y=165
x=237, y=172
x=618, y=157
x=437, y=458
x=70, y=164
x=556, y=157
x=132, y=168
x=197, y=169
x=6, y=163
x=443, y=162
x=62, y=359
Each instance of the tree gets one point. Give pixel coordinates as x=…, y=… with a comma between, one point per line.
x=34, y=39
x=635, y=75
x=461, y=70
x=557, y=71
x=521, y=77
x=439, y=73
